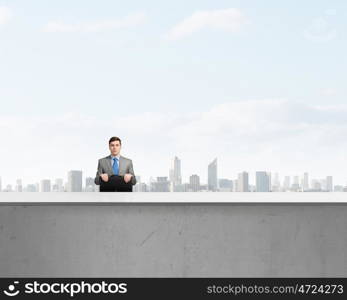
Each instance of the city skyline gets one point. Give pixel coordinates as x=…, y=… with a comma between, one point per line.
x=265, y=181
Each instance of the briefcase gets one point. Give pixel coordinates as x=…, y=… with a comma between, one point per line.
x=115, y=183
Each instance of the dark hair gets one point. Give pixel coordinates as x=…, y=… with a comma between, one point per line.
x=113, y=139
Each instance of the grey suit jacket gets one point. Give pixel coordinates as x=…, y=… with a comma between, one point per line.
x=105, y=166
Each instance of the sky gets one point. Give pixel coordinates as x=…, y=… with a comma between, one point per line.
x=259, y=85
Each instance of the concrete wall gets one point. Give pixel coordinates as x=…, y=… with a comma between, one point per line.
x=173, y=240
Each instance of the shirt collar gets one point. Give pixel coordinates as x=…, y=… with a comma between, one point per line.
x=118, y=156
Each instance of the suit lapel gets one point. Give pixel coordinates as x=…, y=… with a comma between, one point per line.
x=121, y=165
x=109, y=163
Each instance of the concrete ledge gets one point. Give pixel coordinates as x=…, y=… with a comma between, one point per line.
x=212, y=198
x=174, y=239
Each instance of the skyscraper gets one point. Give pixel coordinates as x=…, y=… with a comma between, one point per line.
x=212, y=175
x=275, y=183
x=31, y=188
x=19, y=185
x=90, y=184
x=161, y=185
x=225, y=185
x=45, y=185
x=263, y=182
x=138, y=186
x=305, y=182
x=194, y=183
x=74, y=181
x=329, y=183
x=286, y=183
x=175, y=175
x=58, y=185
x=242, y=182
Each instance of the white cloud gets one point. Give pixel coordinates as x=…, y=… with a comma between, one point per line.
x=5, y=14
x=329, y=92
x=320, y=30
x=230, y=19
x=130, y=20
x=275, y=135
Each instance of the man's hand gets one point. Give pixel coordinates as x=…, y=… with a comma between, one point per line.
x=104, y=177
x=127, y=177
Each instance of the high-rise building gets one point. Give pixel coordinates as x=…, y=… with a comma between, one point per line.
x=161, y=185
x=235, y=185
x=31, y=188
x=19, y=185
x=329, y=183
x=45, y=185
x=338, y=188
x=138, y=186
x=212, y=175
x=90, y=184
x=263, y=182
x=286, y=183
x=175, y=175
x=225, y=185
x=194, y=183
x=8, y=188
x=296, y=184
x=74, y=181
x=275, y=183
x=242, y=182
x=58, y=185
x=305, y=182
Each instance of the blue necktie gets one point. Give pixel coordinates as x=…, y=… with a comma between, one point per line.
x=115, y=166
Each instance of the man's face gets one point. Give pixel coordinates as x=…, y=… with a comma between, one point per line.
x=115, y=148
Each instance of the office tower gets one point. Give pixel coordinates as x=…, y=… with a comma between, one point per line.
x=296, y=180
x=194, y=183
x=140, y=187
x=212, y=175
x=74, y=181
x=19, y=185
x=175, y=175
x=316, y=185
x=286, y=183
x=329, y=183
x=296, y=184
x=323, y=184
x=263, y=182
x=144, y=187
x=137, y=187
x=45, y=185
x=58, y=185
x=90, y=185
x=8, y=188
x=31, y=188
x=161, y=185
x=225, y=185
x=235, y=185
x=242, y=182
x=275, y=183
x=305, y=182
x=338, y=188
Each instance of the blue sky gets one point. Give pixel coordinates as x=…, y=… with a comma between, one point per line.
x=293, y=50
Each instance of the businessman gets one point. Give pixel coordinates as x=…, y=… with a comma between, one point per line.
x=115, y=166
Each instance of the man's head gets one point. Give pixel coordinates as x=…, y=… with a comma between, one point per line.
x=115, y=145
